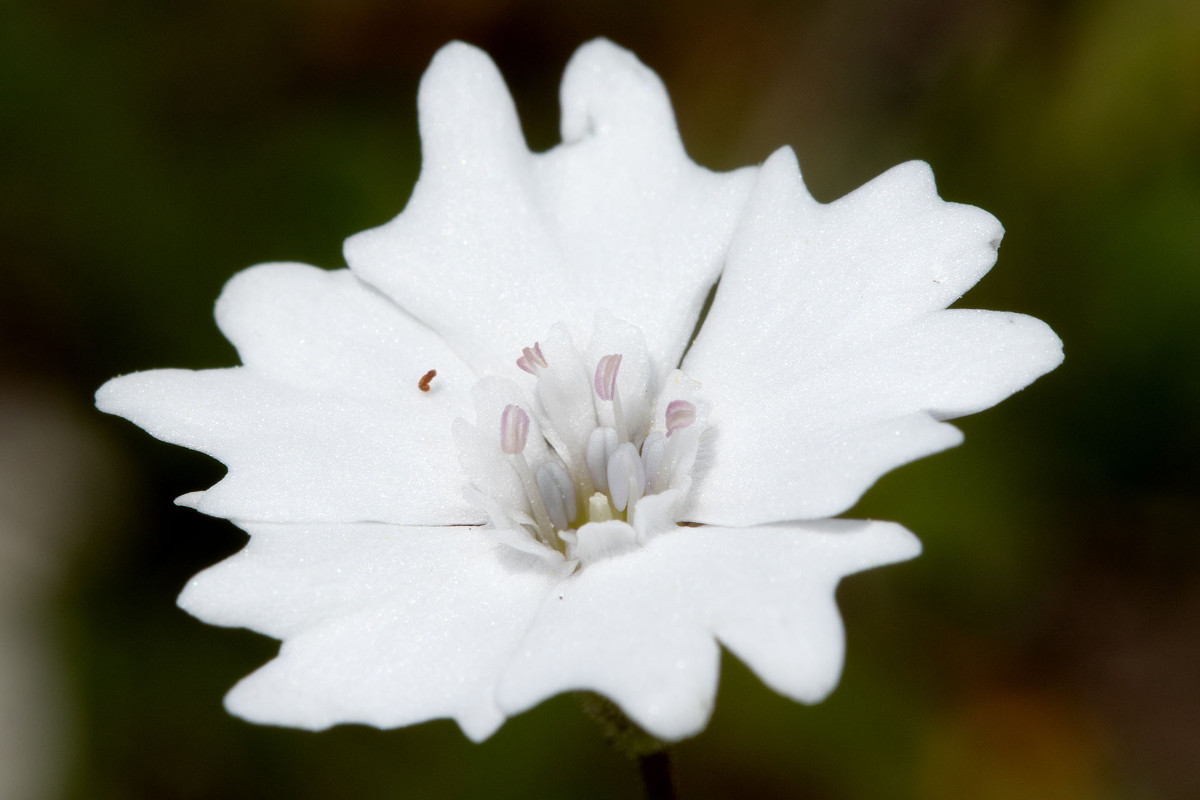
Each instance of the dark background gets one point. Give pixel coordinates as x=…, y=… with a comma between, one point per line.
x=1046, y=645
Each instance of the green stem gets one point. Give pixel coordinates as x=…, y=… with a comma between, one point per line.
x=654, y=760
x=656, y=776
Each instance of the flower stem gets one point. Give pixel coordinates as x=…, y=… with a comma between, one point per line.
x=654, y=761
x=656, y=775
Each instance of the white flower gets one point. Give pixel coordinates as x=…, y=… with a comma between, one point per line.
x=511, y=533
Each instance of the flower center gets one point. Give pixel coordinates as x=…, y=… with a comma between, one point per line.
x=597, y=440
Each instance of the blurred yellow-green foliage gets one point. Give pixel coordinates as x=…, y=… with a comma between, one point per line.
x=1047, y=644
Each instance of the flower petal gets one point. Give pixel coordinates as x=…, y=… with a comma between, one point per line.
x=640, y=629
x=326, y=420
x=845, y=372
x=786, y=626
x=616, y=217
x=383, y=625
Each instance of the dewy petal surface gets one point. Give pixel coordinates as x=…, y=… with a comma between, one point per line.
x=325, y=421
x=846, y=359
x=616, y=217
x=640, y=628
x=382, y=624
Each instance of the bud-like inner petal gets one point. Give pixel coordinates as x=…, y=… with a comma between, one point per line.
x=602, y=443
x=558, y=494
x=514, y=428
x=626, y=476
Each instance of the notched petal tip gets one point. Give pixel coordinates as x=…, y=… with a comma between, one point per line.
x=465, y=109
x=606, y=89
x=107, y=397
x=780, y=185
x=141, y=397
x=246, y=307
x=458, y=65
x=875, y=543
x=912, y=185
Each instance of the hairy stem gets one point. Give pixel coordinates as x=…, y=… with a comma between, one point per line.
x=654, y=761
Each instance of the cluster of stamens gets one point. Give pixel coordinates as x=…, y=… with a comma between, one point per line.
x=616, y=473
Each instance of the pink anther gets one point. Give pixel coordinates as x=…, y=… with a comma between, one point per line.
x=606, y=376
x=514, y=428
x=680, y=414
x=532, y=359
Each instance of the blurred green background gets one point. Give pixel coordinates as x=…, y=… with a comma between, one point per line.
x=1046, y=645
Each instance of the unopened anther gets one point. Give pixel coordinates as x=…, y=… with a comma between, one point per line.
x=605, y=384
x=653, y=450
x=606, y=376
x=532, y=359
x=514, y=428
x=558, y=494
x=680, y=414
x=626, y=477
x=600, y=447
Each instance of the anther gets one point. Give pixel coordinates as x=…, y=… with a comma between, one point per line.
x=626, y=477
x=680, y=414
x=558, y=494
x=423, y=384
x=600, y=447
x=606, y=376
x=532, y=359
x=514, y=428
x=605, y=384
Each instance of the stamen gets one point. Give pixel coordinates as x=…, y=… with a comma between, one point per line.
x=558, y=494
x=600, y=447
x=606, y=376
x=680, y=414
x=514, y=428
x=605, y=384
x=626, y=477
x=532, y=359
x=653, y=450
